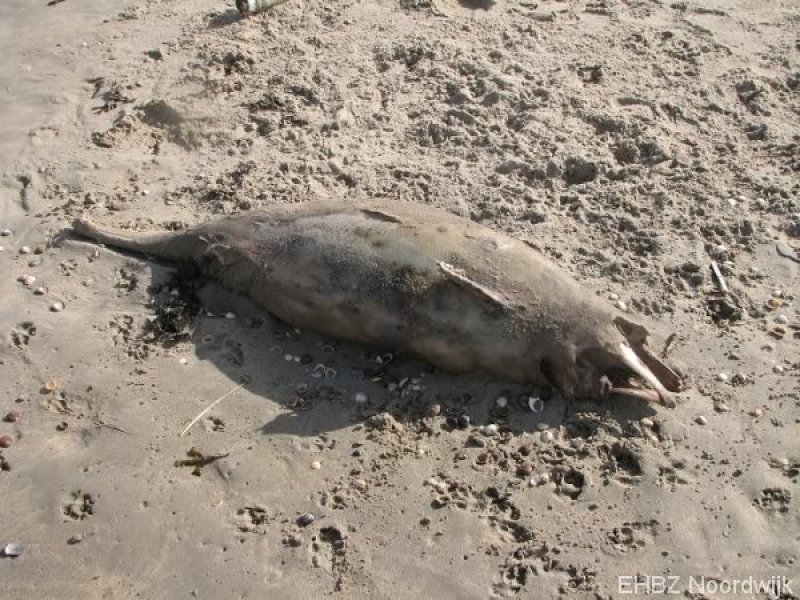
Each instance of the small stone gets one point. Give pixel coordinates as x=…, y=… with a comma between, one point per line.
x=6, y=441
x=621, y=306
x=490, y=430
x=12, y=417
x=613, y=297
x=57, y=306
x=12, y=550
x=501, y=402
x=27, y=280
x=75, y=539
x=646, y=422
x=723, y=377
x=5, y=232
x=777, y=293
x=305, y=520
x=524, y=471
x=778, y=369
x=756, y=412
x=701, y=420
x=230, y=315
x=316, y=465
x=547, y=436
x=40, y=291
x=25, y=250
x=361, y=398
x=184, y=361
x=463, y=421
x=782, y=320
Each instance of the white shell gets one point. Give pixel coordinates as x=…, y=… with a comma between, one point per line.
x=12, y=550
x=536, y=404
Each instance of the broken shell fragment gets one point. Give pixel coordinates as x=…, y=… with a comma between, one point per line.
x=50, y=387
x=247, y=7
x=12, y=550
x=306, y=520
x=27, y=280
x=536, y=404
x=540, y=479
x=57, y=306
x=434, y=410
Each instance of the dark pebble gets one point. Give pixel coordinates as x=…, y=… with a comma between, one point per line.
x=463, y=422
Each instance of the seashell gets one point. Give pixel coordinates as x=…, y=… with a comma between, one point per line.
x=27, y=280
x=434, y=410
x=12, y=550
x=540, y=479
x=536, y=404
x=306, y=520
x=247, y=7
x=50, y=387
x=491, y=429
x=57, y=306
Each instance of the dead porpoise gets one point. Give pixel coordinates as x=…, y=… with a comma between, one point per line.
x=419, y=280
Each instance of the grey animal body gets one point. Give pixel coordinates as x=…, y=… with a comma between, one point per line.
x=422, y=281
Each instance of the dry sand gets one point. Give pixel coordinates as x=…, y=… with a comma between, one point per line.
x=632, y=141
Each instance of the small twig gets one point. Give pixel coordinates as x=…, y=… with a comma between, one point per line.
x=723, y=287
x=209, y=407
x=100, y=423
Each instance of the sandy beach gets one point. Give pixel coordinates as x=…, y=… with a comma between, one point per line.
x=635, y=143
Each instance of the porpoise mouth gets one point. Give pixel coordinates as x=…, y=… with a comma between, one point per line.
x=640, y=359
